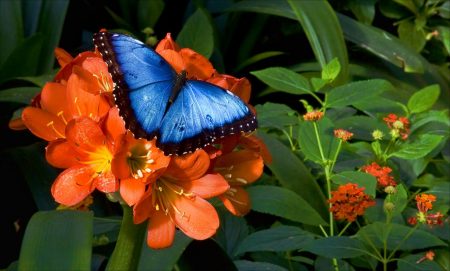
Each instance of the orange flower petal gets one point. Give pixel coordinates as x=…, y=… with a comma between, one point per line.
x=175, y=60
x=119, y=165
x=63, y=57
x=132, y=190
x=256, y=144
x=144, y=208
x=197, y=66
x=84, y=133
x=242, y=89
x=167, y=43
x=66, y=71
x=247, y=165
x=107, y=182
x=160, y=231
x=60, y=154
x=207, y=186
x=17, y=124
x=67, y=189
x=43, y=124
x=115, y=126
x=83, y=103
x=188, y=167
x=237, y=201
x=87, y=81
x=53, y=100
x=198, y=218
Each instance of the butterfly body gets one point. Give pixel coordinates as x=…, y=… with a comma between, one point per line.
x=155, y=101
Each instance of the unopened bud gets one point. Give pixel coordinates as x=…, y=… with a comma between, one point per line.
x=389, y=206
x=395, y=133
x=377, y=135
x=398, y=124
x=390, y=189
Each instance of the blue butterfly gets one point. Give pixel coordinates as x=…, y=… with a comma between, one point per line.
x=155, y=101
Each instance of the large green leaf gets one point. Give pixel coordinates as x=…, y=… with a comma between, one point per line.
x=394, y=236
x=411, y=35
x=148, y=12
x=245, y=265
x=197, y=34
x=284, y=80
x=424, y=99
x=57, y=240
x=365, y=180
x=319, y=22
x=361, y=126
x=281, y=238
x=11, y=28
x=272, y=115
x=356, y=92
x=423, y=145
x=163, y=259
x=284, y=203
x=19, y=95
x=232, y=231
x=337, y=247
x=292, y=173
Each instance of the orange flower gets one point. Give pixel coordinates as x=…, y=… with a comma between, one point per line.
x=381, y=173
x=313, y=116
x=429, y=255
x=177, y=199
x=136, y=164
x=342, y=134
x=88, y=155
x=424, y=202
x=399, y=126
x=349, y=201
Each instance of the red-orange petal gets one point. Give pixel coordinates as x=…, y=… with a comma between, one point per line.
x=132, y=190
x=174, y=58
x=238, y=203
x=207, y=186
x=62, y=56
x=256, y=144
x=43, y=124
x=198, y=218
x=83, y=103
x=115, y=126
x=167, y=43
x=242, y=89
x=247, y=164
x=65, y=72
x=87, y=81
x=160, y=231
x=66, y=189
x=60, y=154
x=84, y=133
x=106, y=182
x=144, y=208
x=188, y=167
x=17, y=124
x=54, y=100
x=197, y=66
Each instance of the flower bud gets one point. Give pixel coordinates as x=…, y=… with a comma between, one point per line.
x=395, y=133
x=390, y=189
x=377, y=134
x=389, y=206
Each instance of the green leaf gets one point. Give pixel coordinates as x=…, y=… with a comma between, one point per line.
x=272, y=115
x=331, y=70
x=318, y=83
x=163, y=259
x=232, y=231
x=425, y=118
x=365, y=180
x=284, y=80
x=419, y=148
x=148, y=12
x=39, y=80
x=11, y=28
x=356, y=92
x=444, y=36
x=442, y=192
x=323, y=31
x=24, y=60
x=197, y=34
x=337, y=247
x=281, y=238
x=292, y=173
x=409, y=263
x=245, y=265
x=57, y=240
x=361, y=126
x=399, y=199
x=444, y=10
x=308, y=140
x=363, y=10
x=51, y=22
x=380, y=105
x=424, y=99
x=283, y=203
x=392, y=234
x=106, y=230
x=411, y=35
x=19, y=95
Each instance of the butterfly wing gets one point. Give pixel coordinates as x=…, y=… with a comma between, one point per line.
x=201, y=113
x=143, y=81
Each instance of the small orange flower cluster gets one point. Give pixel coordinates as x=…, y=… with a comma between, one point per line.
x=424, y=204
x=87, y=137
x=349, y=201
x=429, y=255
x=343, y=135
x=381, y=173
x=399, y=126
x=313, y=115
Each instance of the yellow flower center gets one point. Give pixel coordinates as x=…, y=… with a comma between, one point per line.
x=139, y=158
x=164, y=195
x=100, y=159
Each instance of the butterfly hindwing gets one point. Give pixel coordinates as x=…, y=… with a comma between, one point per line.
x=202, y=113
x=144, y=81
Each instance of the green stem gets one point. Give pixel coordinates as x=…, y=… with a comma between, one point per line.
x=323, y=231
x=336, y=156
x=129, y=243
x=316, y=130
x=345, y=228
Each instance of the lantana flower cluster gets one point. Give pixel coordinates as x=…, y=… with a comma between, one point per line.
x=382, y=174
x=349, y=201
x=88, y=140
x=399, y=126
x=424, y=204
